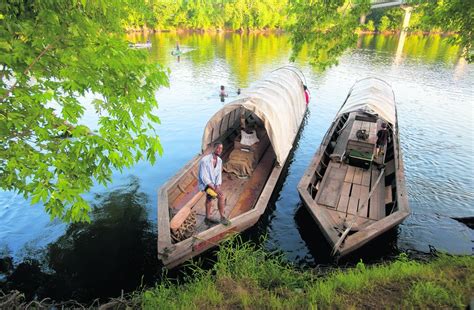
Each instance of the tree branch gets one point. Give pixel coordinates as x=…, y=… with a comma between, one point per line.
x=8, y=92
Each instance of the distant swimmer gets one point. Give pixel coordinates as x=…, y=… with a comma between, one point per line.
x=223, y=93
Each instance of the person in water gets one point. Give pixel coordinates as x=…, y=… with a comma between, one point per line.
x=223, y=93
x=238, y=91
x=210, y=180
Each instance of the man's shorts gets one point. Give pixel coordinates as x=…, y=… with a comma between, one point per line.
x=210, y=193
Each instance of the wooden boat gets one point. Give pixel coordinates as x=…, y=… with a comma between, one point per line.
x=272, y=110
x=353, y=194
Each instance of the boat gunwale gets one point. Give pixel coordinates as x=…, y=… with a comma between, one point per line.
x=324, y=220
x=179, y=251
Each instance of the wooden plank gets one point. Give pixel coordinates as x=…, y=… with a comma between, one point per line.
x=372, y=133
x=390, y=167
x=341, y=143
x=355, y=127
x=179, y=218
x=368, y=233
x=364, y=193
x=354, y=199
x=349, y=174
x=366, y=177
x=331, y=186
x=357, y=176
x=376, y=200
x=361, y=222
x=344, y=199
x=189, y=192
x=253, y=187
x=388, y=194
x=164, y=235
x=337, y=217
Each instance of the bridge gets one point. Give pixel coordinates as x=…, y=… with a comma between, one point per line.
x=378, y=4
x=403, y=4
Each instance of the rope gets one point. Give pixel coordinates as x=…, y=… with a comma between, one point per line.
x=186, y=229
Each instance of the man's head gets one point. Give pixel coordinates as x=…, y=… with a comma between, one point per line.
x=222, y=87
x=218, y=148
x=384, y=125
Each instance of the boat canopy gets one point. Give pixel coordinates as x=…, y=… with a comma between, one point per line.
x=278, y=101
x=374, y=96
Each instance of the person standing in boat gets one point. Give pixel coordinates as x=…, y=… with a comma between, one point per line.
x=382, y=137
x=210, y=180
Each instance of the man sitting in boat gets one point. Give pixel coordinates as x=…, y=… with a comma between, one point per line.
x=210, y=180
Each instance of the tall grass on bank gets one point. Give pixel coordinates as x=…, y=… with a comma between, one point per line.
x=248, y=277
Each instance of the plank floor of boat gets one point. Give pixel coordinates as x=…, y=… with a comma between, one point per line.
x=241, y=194
x=344, y=191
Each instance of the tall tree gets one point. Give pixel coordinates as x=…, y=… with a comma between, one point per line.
x=452, y=15
x=327, y=27
x=51, y=54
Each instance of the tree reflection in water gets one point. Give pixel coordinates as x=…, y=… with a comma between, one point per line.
x=115, y=252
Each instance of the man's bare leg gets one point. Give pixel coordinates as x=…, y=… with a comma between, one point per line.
x=221, y=207
x=221, y=204
x=208, y=209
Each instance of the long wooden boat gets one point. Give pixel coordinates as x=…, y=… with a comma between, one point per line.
x=272, y=111
x=353, y=194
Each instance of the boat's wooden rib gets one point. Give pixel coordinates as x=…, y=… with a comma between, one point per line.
x=352, y=195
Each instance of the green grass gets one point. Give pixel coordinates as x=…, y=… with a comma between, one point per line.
x=247, y=277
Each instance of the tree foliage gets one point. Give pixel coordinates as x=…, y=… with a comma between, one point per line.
x=438, y=15
x=453, y=15
x=205, y=14
x=327, y=27
x=53, y=52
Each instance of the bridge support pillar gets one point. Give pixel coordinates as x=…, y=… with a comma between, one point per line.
x=403, y=34
x=406, y=19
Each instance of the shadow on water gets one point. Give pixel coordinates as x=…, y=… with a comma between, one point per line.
x=115, y=252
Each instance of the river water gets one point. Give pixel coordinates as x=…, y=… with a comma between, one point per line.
x=117, y=251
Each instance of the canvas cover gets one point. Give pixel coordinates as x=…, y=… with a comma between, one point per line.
x=374, y=96
x=278, y=101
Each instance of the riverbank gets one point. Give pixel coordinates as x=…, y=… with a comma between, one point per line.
x=248, y=277
x=146, y=30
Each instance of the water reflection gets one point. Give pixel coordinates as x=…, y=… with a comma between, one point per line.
x=116, y=251
x=120, y=244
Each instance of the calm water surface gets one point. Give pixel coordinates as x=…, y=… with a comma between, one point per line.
x=434, y=93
